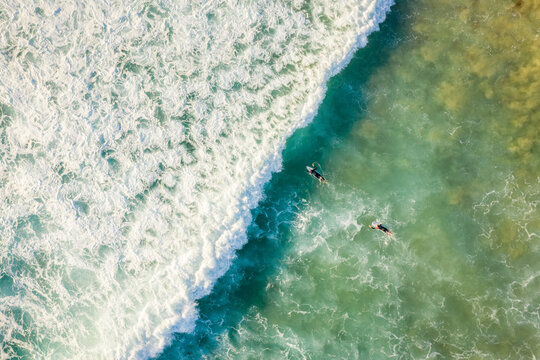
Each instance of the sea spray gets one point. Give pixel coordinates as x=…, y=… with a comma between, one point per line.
x=136, y=137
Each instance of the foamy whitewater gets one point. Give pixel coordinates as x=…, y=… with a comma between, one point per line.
x=136, y=137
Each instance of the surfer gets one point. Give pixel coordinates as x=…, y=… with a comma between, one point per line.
x=313, y=171
x=375, y=225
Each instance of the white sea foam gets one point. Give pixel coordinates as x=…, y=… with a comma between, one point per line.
x=136, y=137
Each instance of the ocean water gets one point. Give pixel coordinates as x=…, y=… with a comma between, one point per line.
x=136, y=137
x=432, y=129
x=155, y=202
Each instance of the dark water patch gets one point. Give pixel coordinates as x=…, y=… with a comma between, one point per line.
x=6, y=286
x=243, y=286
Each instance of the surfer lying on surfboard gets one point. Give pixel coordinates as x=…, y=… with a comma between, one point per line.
x=313, y=171
x=377, y=226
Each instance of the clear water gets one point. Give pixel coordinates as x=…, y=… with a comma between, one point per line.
x=432, y=129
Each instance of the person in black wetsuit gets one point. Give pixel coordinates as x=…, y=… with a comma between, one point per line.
x=314, y=172
x=375, y=225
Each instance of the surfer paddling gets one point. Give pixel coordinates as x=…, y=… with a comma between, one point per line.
x=313, y=171
x=375, y=225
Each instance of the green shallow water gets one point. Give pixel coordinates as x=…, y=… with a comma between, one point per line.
x=433, y=130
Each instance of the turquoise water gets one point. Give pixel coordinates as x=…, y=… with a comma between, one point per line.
x=121, y=238
x=406, y=140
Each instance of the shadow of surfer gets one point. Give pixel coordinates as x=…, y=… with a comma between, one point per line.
x=313, y=172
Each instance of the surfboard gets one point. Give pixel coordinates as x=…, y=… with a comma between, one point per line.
x=315, y=174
